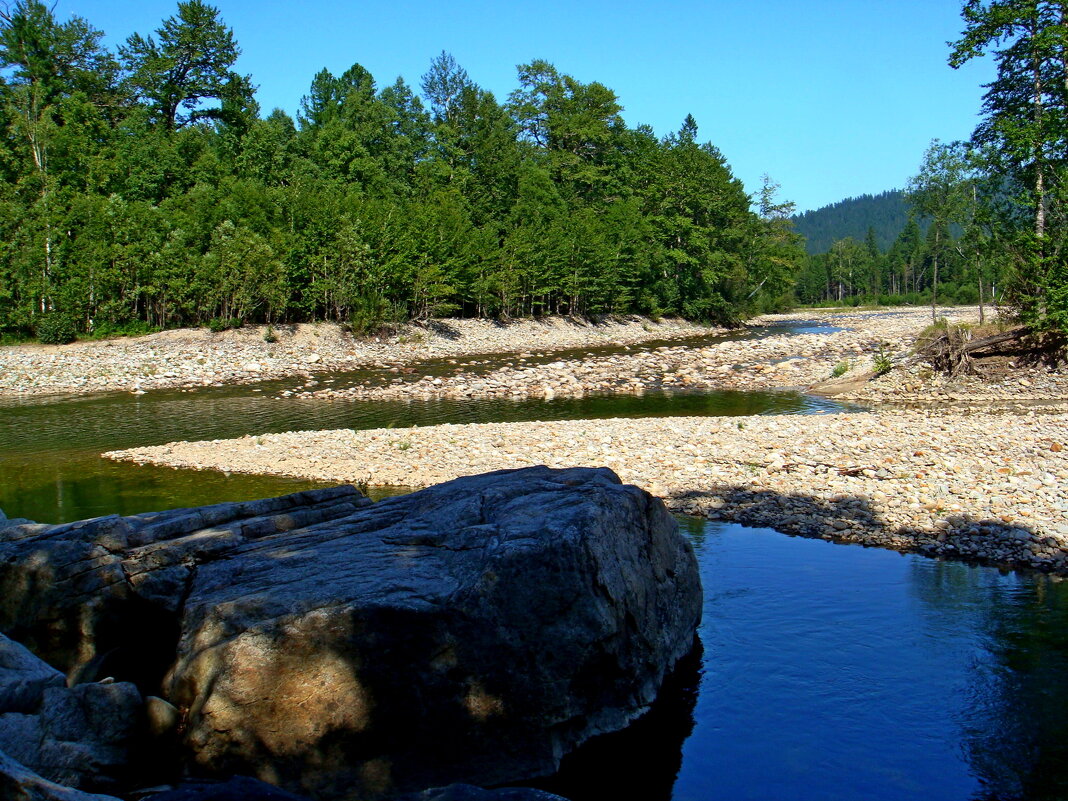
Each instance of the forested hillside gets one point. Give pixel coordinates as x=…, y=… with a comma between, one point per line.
x=930, y=253
x=145, y=188
x=885, y=213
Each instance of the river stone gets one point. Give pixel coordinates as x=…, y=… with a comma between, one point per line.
x=23, y=678
x=475, y=631
x=19, y=783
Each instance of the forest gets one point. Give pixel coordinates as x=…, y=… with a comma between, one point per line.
x=988, y=217
x=885, y=214
x=144, y=189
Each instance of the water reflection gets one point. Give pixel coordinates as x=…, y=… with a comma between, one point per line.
x=839, y=672
x=50, y=468
x=1014, y=729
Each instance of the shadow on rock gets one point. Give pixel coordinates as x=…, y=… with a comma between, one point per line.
x=851, y=519
x=643, y=760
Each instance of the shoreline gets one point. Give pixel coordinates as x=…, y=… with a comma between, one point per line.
x=191, y=358
x=984, y=487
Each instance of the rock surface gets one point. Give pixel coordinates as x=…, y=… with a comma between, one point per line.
x=88, y=736
x=237, y=788
x=467, y=792
x=24, y=678
x=18, y=783
x=101, y=597
x=476, y=631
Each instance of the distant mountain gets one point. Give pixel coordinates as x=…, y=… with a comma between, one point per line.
x=886, y=213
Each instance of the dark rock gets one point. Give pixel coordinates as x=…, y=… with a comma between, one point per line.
x=23, y=678
x=238, y=788
x=86, y=737
x=476, y=631
x=468, y=792
x=18, y=783
x=102, y=597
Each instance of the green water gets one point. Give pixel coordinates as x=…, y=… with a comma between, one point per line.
x=51, y=471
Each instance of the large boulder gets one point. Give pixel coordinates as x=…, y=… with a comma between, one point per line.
x=476, y=631
x=102, y=597
x=90, y=736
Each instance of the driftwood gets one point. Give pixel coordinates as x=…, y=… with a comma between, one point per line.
x=950, y=350
x=986, y=342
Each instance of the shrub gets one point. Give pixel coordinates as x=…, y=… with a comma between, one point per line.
x=130, y=328
x=56, y=328
x=217, y=325
x=269, y=336
x=882, y=360
x=840, y=369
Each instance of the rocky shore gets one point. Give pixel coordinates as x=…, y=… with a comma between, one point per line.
x=198, y=357
x=986, y=486
x=846, y=341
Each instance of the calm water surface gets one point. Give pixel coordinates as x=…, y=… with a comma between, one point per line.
x=840, y=672
x=51, y=470
x=826, y=671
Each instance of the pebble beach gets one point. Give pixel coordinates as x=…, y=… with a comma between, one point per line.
x=963, y=468
x=197, y=357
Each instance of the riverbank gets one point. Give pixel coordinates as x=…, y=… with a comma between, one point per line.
x=835, y=354
x=983, y=486
x=197, y=357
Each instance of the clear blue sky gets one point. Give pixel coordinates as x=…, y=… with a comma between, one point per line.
x=832, y=98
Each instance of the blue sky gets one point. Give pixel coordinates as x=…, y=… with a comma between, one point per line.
x=832, y=98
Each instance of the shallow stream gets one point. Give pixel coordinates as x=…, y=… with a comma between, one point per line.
x=827, y=671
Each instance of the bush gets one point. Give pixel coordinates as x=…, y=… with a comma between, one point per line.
x=217, y=325
x=130, y=328
x=370, y=313
x=269, y=336
x=56, y=328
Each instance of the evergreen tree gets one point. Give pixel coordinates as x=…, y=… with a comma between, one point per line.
x=187, y=63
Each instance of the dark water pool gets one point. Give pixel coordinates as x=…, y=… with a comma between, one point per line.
x=839, y=672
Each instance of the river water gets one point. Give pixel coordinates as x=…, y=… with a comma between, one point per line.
x=826, y=671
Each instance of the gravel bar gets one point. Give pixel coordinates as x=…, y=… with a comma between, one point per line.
x=982, y=486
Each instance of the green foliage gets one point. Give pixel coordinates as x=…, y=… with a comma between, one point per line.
x=132, y=328
x=1021, y=147
x=370, y=313
x=56, y=328
x=146, y=191
x=841, y=369
x=885, y=214
x=883, y=360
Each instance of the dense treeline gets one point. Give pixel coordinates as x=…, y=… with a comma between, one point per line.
x=997, y=205
x=145, y=188
x=885, y=214
x=854, y=272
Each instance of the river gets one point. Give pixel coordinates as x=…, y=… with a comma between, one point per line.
x=826, y=671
